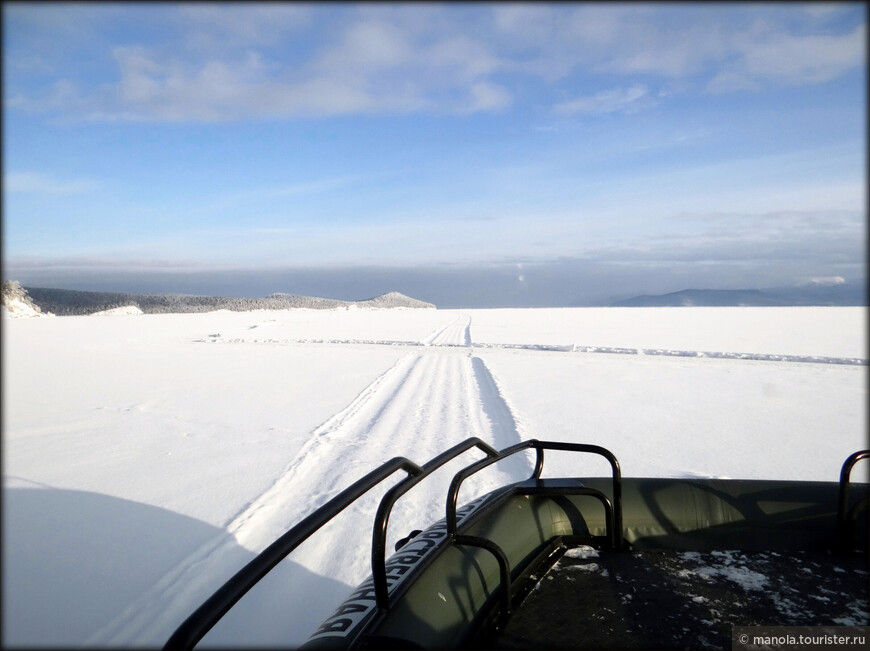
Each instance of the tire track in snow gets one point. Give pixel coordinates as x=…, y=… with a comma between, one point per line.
x=334, y=442
x=455, y=333
x=422, y=405
x=152, y=617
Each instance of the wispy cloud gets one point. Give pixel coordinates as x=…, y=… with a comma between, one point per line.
x=237, y=64
x=627, y=100
x=208, y=26
x=233, y=62
x=765, y=56
x=103, y=264
x=831, y=243
x=318, y=186
x=44, y=184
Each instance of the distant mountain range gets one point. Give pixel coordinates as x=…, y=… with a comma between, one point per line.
x=841, y=294
x=68, y=302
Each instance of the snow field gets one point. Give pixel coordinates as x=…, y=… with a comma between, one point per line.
x=682, y=417
x=797, y=331
x=148, y=458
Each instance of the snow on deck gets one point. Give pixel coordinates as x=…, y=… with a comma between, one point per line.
x=683, y=600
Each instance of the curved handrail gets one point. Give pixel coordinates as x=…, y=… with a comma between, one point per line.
x=459, y=477
x=504, y=568
x=502, y=559
x=843, y=511
x=203, y=619
x=540, y=446
x=215, y=607
x=379, y=530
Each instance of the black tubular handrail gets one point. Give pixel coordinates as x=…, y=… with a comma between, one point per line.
x=203, y=619
x=379, y=530
x=504, y=568
x=540, y=446
x=609, y=512
x=843, y=511
x=215, y=607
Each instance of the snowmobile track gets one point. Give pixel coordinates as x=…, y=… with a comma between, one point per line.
x=426, y=399
x=455, y=333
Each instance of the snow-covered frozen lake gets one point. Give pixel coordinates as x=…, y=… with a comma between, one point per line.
x=146, y=458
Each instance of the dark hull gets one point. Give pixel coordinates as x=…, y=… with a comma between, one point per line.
x=635, y=562
x=447, y=595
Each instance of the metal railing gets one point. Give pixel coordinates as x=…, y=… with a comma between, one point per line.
x=215, y=607
x=203, y=619
x=614, y=510
x=379, y=532
x=846, y=515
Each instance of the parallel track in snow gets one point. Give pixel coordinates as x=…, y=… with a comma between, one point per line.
x=456, y=333
x=428, y=400
x=437, y=394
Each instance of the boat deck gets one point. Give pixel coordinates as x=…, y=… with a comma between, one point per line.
x=683, y=600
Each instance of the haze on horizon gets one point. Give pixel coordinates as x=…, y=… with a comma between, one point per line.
x=467, y=155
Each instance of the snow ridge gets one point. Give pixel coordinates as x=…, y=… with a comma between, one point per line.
x=458, y=335
x=120, y=311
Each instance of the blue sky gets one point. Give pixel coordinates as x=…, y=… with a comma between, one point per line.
x=618, y=148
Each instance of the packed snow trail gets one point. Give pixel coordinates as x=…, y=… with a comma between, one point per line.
x=455, y=333
x=422, y=405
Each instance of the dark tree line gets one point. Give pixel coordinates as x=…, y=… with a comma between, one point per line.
x=68, y=302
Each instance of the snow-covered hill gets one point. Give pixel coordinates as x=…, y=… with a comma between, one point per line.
x=393, y=300
x=17, y=304
x=127, y=310
x=68, y=302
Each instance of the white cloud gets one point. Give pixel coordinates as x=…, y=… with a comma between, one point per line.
x=487, y=97
x=373, y=67
x=805, y=59
x=609, y=101
x=314, y=187
x=44, y=184
x=647, y=48
x=462, y=57
x=730, y=49
x=367, y=47
x=229, y=62
x=208, y=26
x=529, y=23
x=826, y=281
x=765, y=56
x=825, y=10
x=730, y=81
